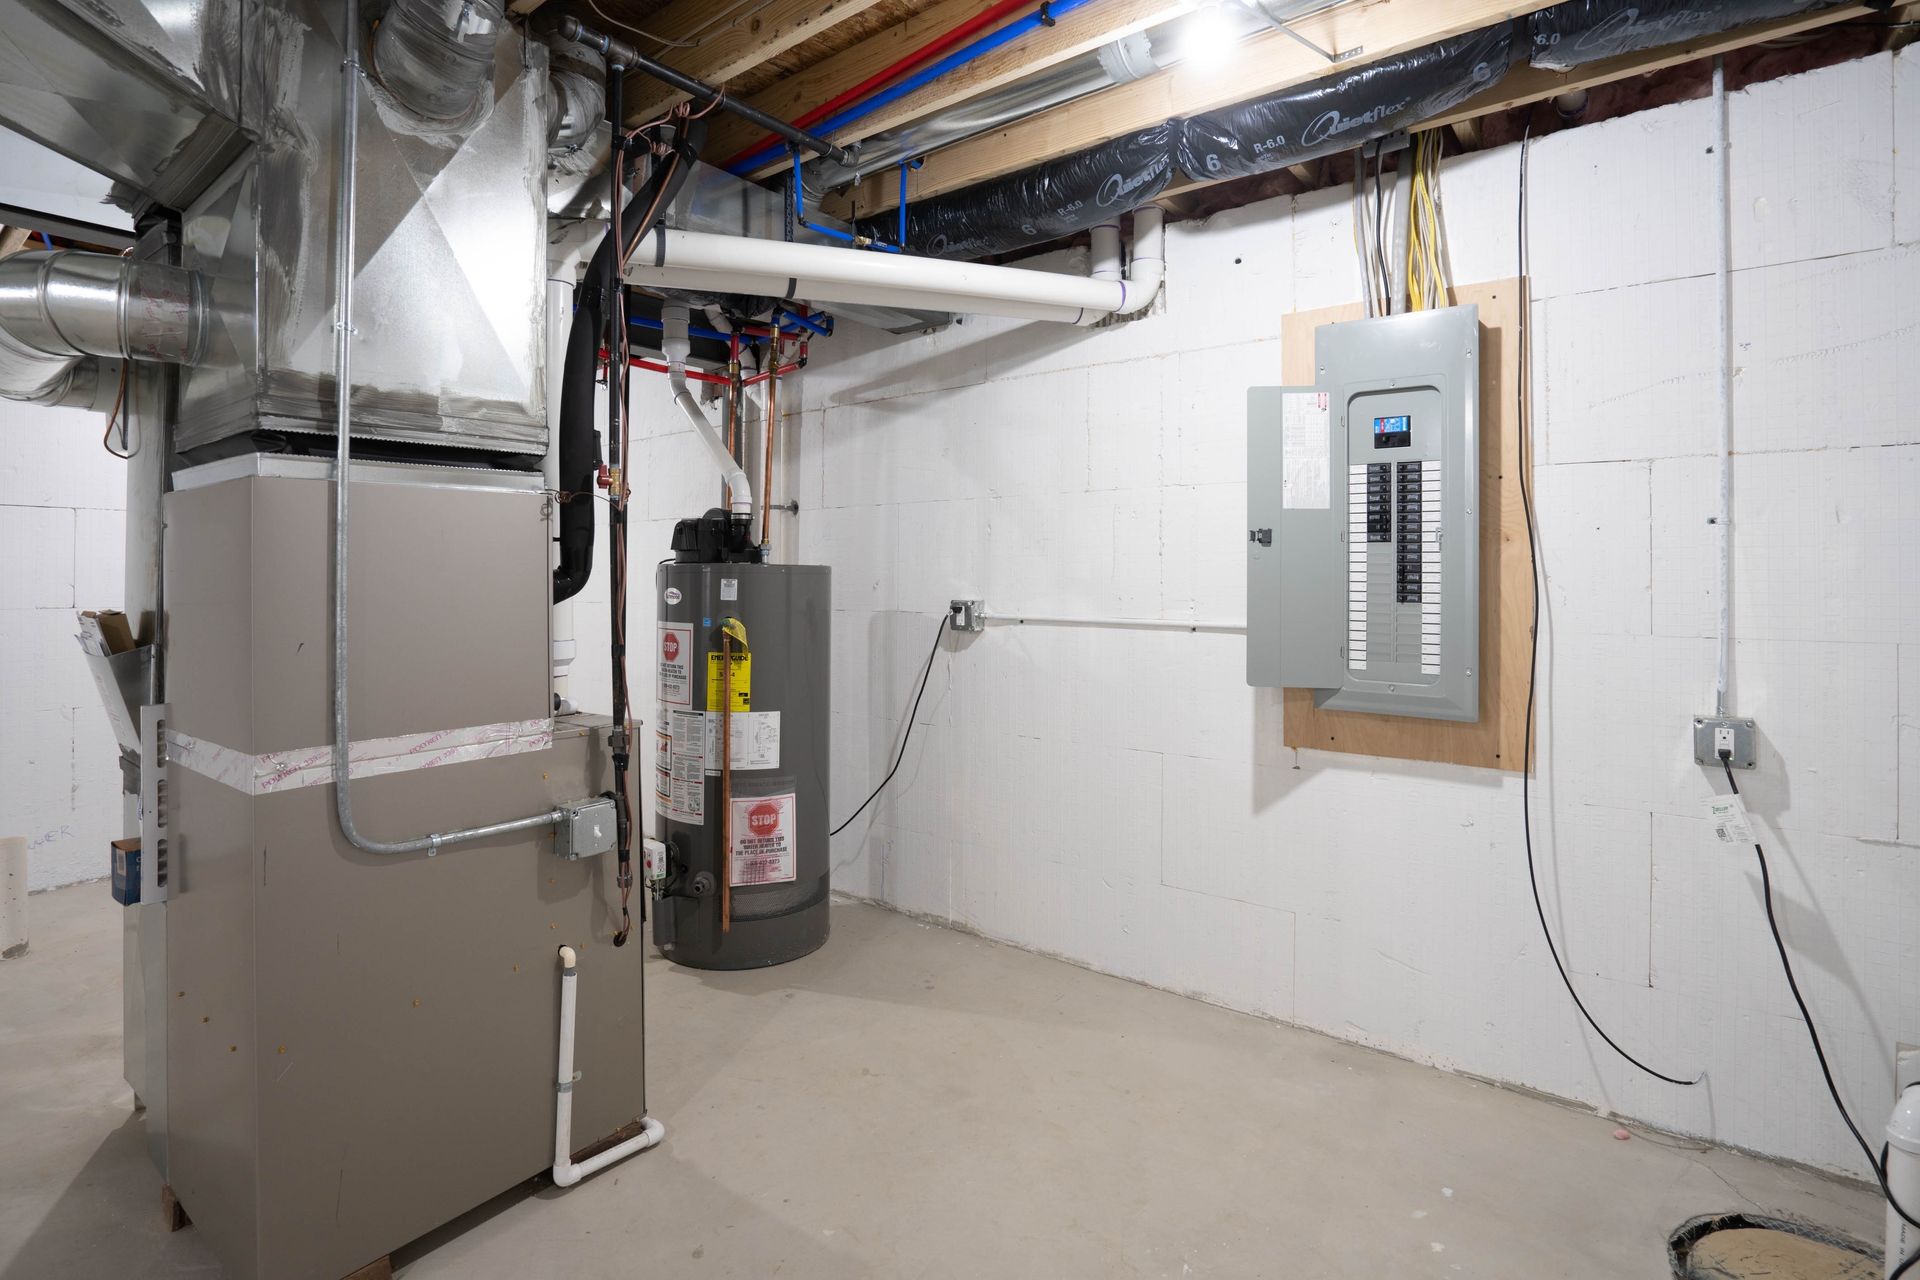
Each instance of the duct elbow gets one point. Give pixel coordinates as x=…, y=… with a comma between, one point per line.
x=60, y=307
x=576, y=95
x=436, y=56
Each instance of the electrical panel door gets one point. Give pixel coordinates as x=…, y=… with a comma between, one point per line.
x=1363, y=570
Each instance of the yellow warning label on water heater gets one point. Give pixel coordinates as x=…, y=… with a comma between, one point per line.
x=742, y=681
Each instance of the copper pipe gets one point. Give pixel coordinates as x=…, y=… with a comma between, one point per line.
x=766, y=455
x=726, y=781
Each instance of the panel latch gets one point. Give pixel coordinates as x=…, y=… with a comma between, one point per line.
x=1262, y=536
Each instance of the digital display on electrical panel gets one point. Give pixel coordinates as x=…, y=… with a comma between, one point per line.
x=1393, y=433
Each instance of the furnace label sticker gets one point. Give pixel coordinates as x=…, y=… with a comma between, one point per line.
x=676, y=666
x=685, y=795
x=1305, y=445
x=742, y=680
x=762, y=830
x=754, y=741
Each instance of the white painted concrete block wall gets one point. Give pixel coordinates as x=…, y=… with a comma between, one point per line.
x=1121, y=798
x=62, y=547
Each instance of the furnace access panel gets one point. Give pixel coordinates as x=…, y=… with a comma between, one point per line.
x=1363, y=541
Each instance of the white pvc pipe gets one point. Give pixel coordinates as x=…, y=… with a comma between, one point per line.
x=565, y=1171
x=669, y=258
x=675, y=345
x=1722, y=275
x=1105, y=244
x=1903, y=1177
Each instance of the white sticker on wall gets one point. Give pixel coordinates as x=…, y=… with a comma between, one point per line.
x=1729, y=817
x=729, y=588
x=676, y=666
x=762, y=835
x=1305, y=483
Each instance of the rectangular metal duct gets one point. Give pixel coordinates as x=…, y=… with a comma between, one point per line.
x=450, y=287
x=145, y=91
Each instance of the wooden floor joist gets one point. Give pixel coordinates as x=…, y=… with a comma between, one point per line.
x=725, y=49
x=1081, y=31
x=1269, y=63
x=1261, y=64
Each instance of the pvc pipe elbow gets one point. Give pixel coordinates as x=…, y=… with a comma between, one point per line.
x=1903, y=1126
x=568, y=958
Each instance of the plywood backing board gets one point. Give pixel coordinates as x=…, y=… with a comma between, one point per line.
x=1496, y=740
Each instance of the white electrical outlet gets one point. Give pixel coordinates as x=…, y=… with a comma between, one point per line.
x=1713, y=735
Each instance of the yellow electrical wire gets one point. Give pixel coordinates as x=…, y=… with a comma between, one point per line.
x=1426, y=273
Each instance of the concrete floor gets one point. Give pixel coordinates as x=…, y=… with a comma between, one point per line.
x=913, y=1101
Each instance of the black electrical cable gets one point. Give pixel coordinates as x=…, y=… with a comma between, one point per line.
x=905, y=737
x=1877, y=1163
x=1525, y=461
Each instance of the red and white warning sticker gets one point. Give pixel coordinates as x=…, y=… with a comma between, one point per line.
x=763, y=835
x=676, y=666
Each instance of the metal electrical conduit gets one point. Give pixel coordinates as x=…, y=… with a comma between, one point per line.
x=343, y=257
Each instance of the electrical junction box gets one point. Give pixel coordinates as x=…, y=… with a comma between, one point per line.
x=1363, y=506
x=587, y=827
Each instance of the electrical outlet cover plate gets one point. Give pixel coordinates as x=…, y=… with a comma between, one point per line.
x=1710, y=731
x=967, y=615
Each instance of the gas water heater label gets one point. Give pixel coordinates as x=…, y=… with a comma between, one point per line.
x=1306, y=478
x=739, y=682
x=753, y=741
x=680, y=784
x=762, y=830
x=676, y=666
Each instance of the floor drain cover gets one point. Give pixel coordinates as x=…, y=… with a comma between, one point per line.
x=1748, y=1246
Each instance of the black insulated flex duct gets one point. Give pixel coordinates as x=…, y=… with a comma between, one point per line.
x=1043, y=203
x=1339, y=112
x=1572, y=35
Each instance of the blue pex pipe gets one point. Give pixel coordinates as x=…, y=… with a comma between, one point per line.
x=958, y=58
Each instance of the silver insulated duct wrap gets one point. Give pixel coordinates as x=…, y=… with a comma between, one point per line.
x=435, y=55
x=59, y=307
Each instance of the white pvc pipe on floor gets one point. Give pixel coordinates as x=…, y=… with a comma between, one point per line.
x=565, y=1171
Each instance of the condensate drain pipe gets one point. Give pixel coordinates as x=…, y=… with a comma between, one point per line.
x=676, y=346
x=565, y=1171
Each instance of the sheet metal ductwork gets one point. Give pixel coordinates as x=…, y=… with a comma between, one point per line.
x=1302, y=123
x=435, y=55
x=59, y=308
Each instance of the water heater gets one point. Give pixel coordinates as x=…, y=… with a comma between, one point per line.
x=740, y=752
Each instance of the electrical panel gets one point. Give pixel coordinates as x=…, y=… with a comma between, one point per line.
x=1363, y=540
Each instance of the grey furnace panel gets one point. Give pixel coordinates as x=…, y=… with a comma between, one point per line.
x=1388, y=440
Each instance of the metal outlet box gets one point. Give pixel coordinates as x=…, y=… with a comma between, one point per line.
x=1363, y=539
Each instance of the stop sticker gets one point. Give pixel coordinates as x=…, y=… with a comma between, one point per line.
x=669, y=646
x=763, y=840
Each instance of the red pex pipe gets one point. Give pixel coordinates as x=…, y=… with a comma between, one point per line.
x=697, y=375
x=938, y=45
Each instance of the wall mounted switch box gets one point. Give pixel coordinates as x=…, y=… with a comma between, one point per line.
x=1363, y=529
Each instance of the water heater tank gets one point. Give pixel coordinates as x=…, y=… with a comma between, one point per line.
x=746, y=829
